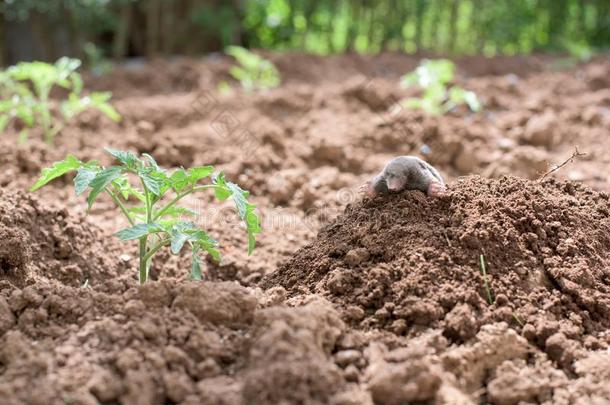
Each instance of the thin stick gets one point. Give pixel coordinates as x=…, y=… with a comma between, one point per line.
x=519, y=321
x=485, y=281
x=446, y=238
x=575, y=155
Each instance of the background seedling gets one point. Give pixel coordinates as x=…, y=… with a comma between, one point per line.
x=253, y=72
x=25, y=90
x=156, y=222
x=95, y=60
x=433, y=77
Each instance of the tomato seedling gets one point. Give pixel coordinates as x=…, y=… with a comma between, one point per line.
x=25, y=90
x=433, y=77
x=253, y=72
x=156, y=221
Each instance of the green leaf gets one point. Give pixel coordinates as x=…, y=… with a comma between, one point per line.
x=472, y=101
x=196, y=268
x=212, y=251
x=23, y=136
x=244, y=208
x=101, y=181
x=222, y=192
x=152, y=183
x=179, y=179
x=128, y=159
x=200, y=172
x=152, y=161
x=100, y=101
x=138, y=231
x=177, y=241
x=83, y=178
x=123, y=186
x=4, y=120
x=58, y=169
x=176, y=211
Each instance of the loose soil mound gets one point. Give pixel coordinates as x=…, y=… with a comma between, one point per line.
x=167, y=342
x=41, y=241
x=411, y=320
x=404, y=262
x=409, y=264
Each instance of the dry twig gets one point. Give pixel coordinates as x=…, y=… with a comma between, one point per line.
x=575, y=155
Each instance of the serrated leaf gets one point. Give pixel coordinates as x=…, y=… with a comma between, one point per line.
x=58, y=169
x=123, y=186
x=103, y=178
x=221, y=192
x=152, y=183
x=138, y=231
x=152, y=161
x=197, y=173
x=83, y=178
x=212, y=251
x=196, y=268
x=179, y=179
x=177, y=242
x=180, y=233
x=239, y=196
x=178, y=211
x=126, y=158
x=246, y=213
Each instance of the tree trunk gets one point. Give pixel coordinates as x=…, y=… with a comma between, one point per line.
x=121, y=37
x=353, y=29
x=453, y=18
x=153, y=11
x=3, y=47
x=43, y=38
x=419, y=19
x=168, y=20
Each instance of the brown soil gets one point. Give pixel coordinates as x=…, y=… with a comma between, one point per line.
x=386, y=305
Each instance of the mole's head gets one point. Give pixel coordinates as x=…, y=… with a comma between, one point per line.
x=395, y=178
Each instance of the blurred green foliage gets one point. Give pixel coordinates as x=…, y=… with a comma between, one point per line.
x=25, y=91
x=459, y=26
x=151, y=27
x=253, y=71
x=438, y=96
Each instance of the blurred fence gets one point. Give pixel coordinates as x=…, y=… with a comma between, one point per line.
x=47, y=29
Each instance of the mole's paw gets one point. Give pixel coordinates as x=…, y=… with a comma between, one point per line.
x=436, y=189
x=366, y=189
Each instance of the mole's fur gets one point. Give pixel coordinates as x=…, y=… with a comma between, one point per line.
x=406, y=173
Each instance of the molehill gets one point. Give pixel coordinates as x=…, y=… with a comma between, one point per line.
x=406, y=263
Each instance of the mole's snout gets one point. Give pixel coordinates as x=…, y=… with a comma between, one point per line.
x=394, y=184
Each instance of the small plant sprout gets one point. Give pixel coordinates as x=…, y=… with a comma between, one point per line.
x=156, y=221
x=25, y=96
x=253, y=72
x=517, y=318
x=433, y=77
x=483, y=269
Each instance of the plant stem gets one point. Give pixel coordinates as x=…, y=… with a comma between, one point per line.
x=52, y=133
x=155, y=248
x=144, y=257
x=118, y=202
x=143, y=261
x=148, y=204
x=180, y=196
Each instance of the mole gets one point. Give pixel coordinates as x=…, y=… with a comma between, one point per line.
x=406, y=173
